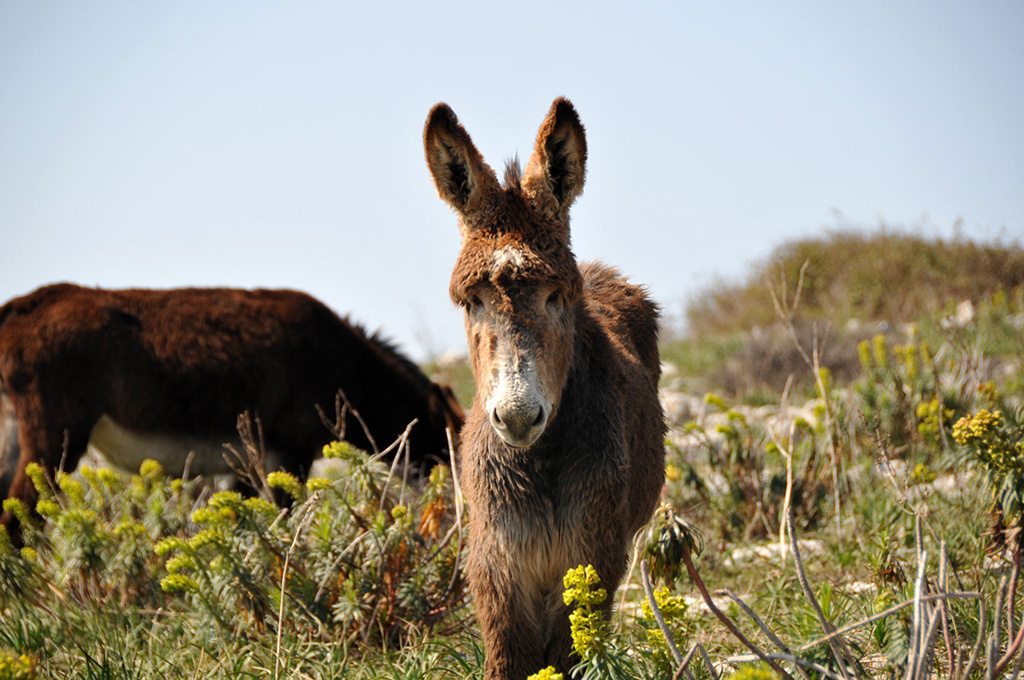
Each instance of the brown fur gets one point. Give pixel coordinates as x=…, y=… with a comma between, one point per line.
x=561, y=457
x=187, y=363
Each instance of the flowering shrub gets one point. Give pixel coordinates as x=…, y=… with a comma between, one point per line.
x=589, y=627
x=997, y=443
x=345, y=560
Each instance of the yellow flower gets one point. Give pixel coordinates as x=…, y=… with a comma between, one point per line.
x=439, y=475
x=343, y=450
x=175, y=583
x=129, y=528
x=672, y=606
x=13, y=667
x=210, y=515
x=864, y=354
x=205, y=538
x=881, y=351
x=285, y=481
x=17, y=508
x=753, y=673
x=107, y=476
x=179, y=562
x=314, y=484
x=588, y=625
x=978, y=429
x=673, y=610
x=712, y=399
x=577, y=584
x=225, y=499
x=260, y=506
x=169, y=545
x=38, y=477
x=151, y=470
x=77, y=521
x=48, y=508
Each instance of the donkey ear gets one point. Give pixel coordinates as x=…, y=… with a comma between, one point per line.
x=460, y=174
x=554, y=176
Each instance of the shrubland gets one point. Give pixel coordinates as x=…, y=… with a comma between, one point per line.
x=843, y=500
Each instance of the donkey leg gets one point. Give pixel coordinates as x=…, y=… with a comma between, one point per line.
x=559, y=651
x=508, y=622
x=608, y=558
x=21, y=489
x=9, y=449
x=51, y=447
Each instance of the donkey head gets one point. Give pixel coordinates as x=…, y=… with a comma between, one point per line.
x=515, y=277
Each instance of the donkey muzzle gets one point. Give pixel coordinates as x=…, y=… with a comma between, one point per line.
x=519, y=423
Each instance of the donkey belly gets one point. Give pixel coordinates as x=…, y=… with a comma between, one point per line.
x=128, y=448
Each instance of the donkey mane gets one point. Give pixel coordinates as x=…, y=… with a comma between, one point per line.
x=513, y=175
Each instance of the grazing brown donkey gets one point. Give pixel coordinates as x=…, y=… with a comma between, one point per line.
x=162, y=373
x=562, y=455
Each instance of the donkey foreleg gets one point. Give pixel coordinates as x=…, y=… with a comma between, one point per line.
x=509, y=619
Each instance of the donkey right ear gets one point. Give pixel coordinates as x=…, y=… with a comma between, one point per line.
x=460, y=174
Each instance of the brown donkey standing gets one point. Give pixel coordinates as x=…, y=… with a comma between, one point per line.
x=562, y=455
x=165, y=374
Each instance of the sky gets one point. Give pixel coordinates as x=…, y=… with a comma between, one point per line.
x=271, y=144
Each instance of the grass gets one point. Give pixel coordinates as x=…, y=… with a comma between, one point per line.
x=893, y=464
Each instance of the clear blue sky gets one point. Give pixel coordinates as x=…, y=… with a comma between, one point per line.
x=279, y=144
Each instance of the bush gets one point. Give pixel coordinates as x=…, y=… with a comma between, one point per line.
x=889, y=276
x=365, y=561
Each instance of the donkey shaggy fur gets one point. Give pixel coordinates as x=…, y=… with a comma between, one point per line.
x=173, y=369
x=561, y=456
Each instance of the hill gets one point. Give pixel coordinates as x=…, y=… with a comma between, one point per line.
x=835, y=290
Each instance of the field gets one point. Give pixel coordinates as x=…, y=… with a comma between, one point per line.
x=843, y=500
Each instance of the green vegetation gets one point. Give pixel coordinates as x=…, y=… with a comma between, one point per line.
x=855, y=512
x=887, y=275
x=146, y=576
x=836, y=290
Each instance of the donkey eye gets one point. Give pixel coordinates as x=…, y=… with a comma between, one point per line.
x=475, y=302
x=555, y=301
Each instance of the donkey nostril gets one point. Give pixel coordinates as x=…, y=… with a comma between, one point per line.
x=496, y=417
x=539, y=420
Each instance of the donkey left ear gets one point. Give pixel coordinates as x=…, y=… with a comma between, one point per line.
x=554, y=176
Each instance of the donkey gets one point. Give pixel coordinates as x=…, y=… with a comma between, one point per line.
x=165, y=374
x=562, y=456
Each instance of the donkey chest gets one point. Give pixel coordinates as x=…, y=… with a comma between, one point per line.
x=540, y=541
x=538, y=524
